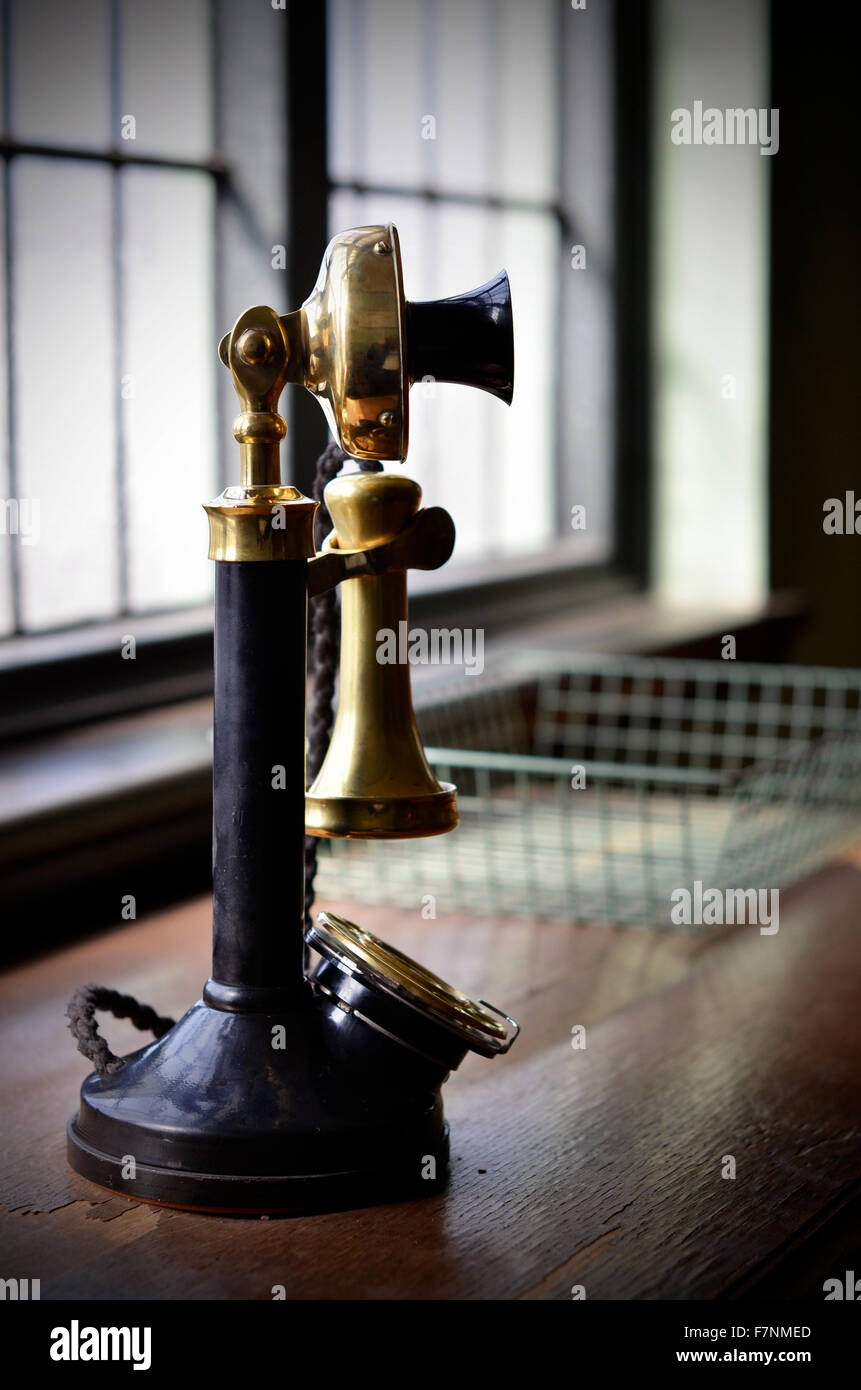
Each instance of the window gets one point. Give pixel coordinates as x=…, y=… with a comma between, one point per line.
x=138, y=215
x=484, y=130
x=163, y=165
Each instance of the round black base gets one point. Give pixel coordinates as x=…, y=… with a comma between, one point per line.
x=308, y=1109
x=250, y=1195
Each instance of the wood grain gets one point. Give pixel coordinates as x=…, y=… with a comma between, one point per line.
x=599, y=1167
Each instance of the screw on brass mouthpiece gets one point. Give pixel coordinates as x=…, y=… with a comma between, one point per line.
x=254, y=347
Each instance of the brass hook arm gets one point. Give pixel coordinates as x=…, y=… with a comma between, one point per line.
x=257, y=351
x=424, y=544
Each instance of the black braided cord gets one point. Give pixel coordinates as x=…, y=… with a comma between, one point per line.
x=84, y=1029
x=322, y=660
x=323, y=654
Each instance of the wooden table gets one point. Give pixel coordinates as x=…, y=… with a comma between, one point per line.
x=599, y=1166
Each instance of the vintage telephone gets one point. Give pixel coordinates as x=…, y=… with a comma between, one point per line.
x=282, y=1090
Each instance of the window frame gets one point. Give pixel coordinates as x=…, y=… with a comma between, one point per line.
x=74, y=677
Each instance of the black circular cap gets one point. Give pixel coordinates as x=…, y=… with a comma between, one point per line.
x=404, y=999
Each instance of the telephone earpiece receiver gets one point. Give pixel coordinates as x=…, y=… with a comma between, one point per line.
x=358, y=345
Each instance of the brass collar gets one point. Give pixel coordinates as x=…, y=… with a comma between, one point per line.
x=264, y=522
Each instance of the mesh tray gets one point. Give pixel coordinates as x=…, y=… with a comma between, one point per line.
x=735, y=775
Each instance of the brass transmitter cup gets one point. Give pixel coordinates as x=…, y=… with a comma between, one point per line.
x=375, y=782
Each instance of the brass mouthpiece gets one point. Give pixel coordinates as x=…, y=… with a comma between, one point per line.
x=375, y=782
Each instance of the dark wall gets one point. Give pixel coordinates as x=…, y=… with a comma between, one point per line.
x=816, y=234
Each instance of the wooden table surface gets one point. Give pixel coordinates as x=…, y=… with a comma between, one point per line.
x=600, y=1166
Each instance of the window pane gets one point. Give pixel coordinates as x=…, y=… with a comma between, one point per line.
x=166, y=76
x=375, y=90
x=526, y=95
x=169, y=360
x=65, y=388
x=61, y=75
x=587, y=394
x=465, y=97
x=485, y=120
x=587, y=406
x=711, y=239
x=458, y=95
x=525, y=451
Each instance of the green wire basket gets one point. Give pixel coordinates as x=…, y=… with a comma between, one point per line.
x=592, y=790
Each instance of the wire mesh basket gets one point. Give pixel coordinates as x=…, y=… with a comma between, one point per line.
x=592, y=791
